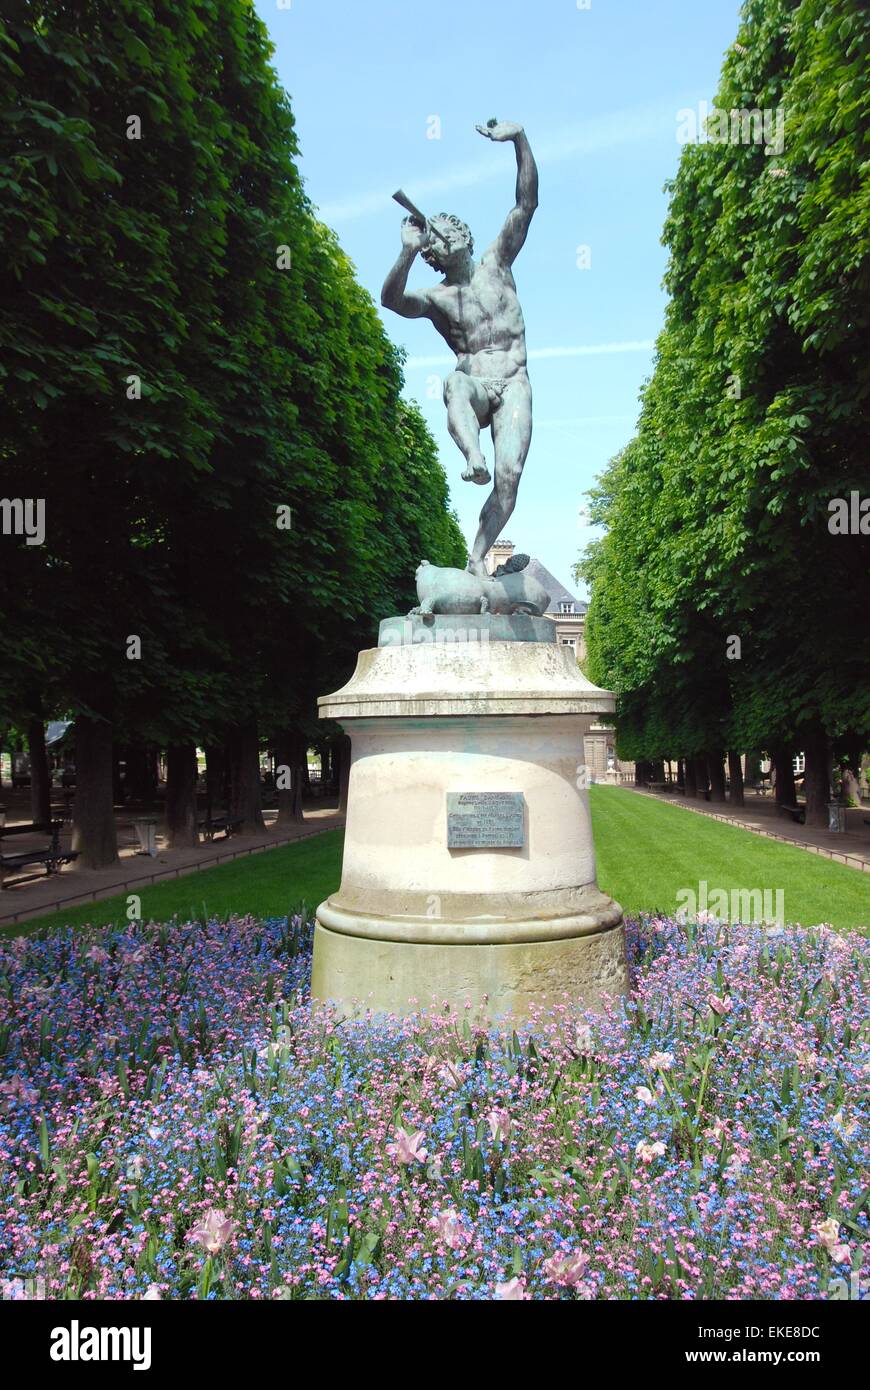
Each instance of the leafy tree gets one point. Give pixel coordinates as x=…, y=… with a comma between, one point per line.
x=188, y=360
x=753, y=421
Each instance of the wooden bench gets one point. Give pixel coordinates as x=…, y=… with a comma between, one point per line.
x=797, y=813
x=51, y=855
x=213, y=825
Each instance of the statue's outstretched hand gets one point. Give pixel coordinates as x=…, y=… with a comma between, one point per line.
x=414, y=235
x=500, y=130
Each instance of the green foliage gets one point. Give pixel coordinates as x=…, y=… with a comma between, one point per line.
x=755, y=417
x=190, y=259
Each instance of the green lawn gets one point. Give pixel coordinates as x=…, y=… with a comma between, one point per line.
x=270, y=884
x=647, y=852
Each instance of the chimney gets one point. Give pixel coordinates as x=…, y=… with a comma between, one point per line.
x=501, y=551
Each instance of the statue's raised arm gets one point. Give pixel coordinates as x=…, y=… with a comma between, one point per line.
x=512, y=236
x=476, y=310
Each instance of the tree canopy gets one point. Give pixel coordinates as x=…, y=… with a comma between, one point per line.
x=719, y=514
x=193, y=383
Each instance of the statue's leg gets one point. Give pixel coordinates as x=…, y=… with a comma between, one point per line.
x=512, y=435
x=467, y=409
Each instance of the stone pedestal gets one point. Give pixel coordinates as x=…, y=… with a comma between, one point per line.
x=441, y=708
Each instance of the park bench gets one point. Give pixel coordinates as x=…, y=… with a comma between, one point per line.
x=213, y=825
x=797, y=813
x=760, y=788
x=51, y=855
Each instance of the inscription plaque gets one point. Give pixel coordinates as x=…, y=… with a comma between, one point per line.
x=485, y=820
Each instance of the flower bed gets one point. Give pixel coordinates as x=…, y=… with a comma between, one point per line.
x=175, y=1122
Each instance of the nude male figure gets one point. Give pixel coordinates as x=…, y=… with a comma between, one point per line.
x=476, y=310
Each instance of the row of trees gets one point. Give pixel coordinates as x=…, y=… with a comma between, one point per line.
x=201, y=396
x=730, y=595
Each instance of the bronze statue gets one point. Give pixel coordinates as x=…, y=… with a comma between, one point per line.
x=476, y=310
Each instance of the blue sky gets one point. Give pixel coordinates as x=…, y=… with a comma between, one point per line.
x=597, y=91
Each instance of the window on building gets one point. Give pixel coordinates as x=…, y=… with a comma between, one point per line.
x=566, y=607
x=568, y=642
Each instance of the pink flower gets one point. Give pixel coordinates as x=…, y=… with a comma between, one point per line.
x=647, y=1152
x=846, y=1127
x=17, y=1089
x=152, y=1294
x=659, y=1061
x=449, y=1227
x=97, y=955
x=450, y=1076
x=513, y=1291
x=828, y=1235
x=566, y=1269
x=408, y=1147
x=645, y=1095
x=499, y=1122
x=721, y=1006
x=213, y=1231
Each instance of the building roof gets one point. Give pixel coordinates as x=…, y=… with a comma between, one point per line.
x=558, y=593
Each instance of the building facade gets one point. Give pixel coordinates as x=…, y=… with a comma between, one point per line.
x=565, y=610
x=568, y=613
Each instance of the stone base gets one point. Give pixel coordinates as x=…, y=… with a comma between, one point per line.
x=419, y=920
x=506, y=980
x=464, y=627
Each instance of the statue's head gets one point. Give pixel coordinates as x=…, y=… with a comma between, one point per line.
x=459, y=242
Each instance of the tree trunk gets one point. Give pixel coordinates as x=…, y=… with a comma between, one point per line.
x=243, y=758
x=117, y=780
x=691, y=788
x=140, y=773
x=93, y=819
x=701, y=784
x=817, y=778
x=40, y=783
x=215, y=778
x=290, y=752
x=735, y=772
x=851, y=789
x=783, y=773
x=181, y=796
x=849, y=752
x=343, y=773
x=752, y=763
x=717, y=775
